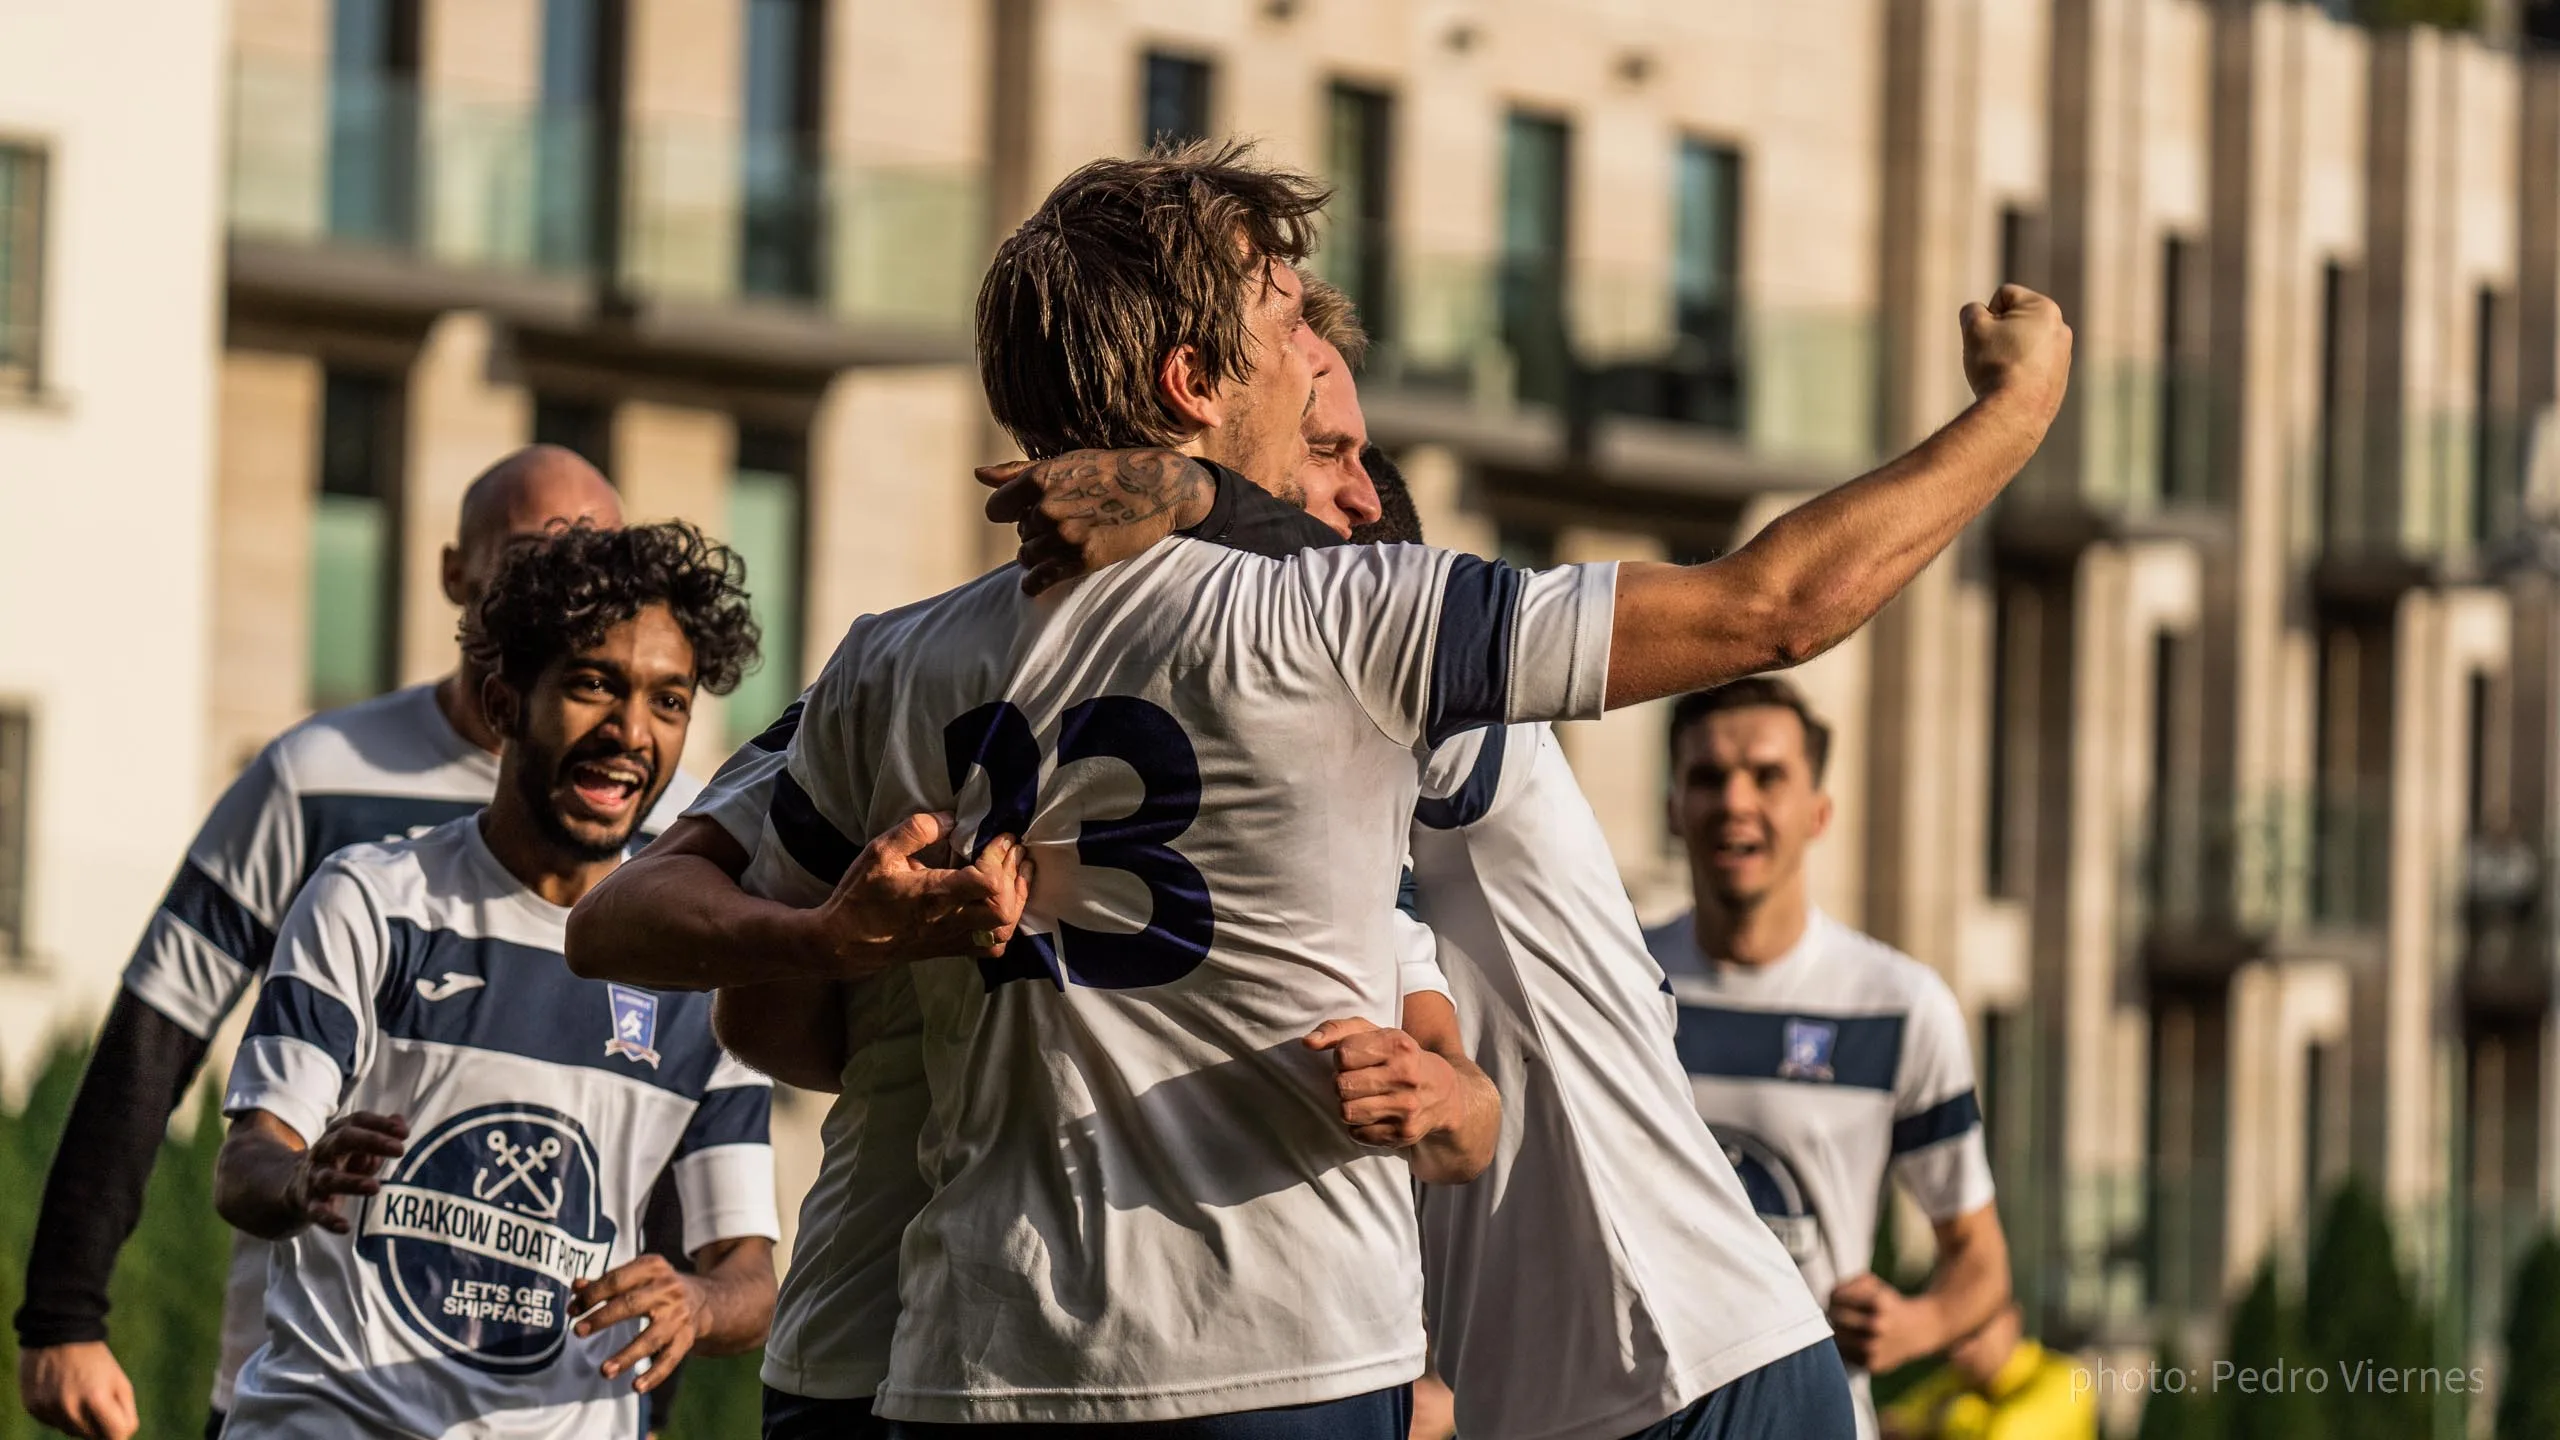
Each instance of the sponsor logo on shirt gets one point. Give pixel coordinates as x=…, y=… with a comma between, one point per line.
x=1775, y=1194
x=1806, y=1054
x=447, y=985
x=480, y=1231
x=635, y=1024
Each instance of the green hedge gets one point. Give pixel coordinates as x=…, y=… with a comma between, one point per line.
x=167, y=1290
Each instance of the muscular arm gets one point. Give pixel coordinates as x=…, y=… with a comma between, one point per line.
x=792, y=1030
x=1820, y=571
x=675, y=917
x=1970, y=1282
x=1462, y=1145
x=93, y=1194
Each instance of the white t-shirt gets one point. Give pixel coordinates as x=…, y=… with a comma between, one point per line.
x=838, y=1310
x=1820, y=1072
x=1145, y=1205
x=420, y=978
x=382, y=768
x=1607, y=1270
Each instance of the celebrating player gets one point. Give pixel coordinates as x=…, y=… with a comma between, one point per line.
x=380, y=768
x=1822, y=1058
x=449, y=1135
x=1105, y=1240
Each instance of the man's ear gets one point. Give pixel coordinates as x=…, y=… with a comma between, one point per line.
x=1186, y=389
x=500, y=705
x=452, y=572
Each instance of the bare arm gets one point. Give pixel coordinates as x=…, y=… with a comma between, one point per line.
x=1880, y=1328
x=1820, y=571
x=675, y=917
x=722, y=1308
x=266, y=1183
x=1460, y=1150
x=792, y=1030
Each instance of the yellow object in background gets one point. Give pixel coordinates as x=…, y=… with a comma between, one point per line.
x=2029, y=1397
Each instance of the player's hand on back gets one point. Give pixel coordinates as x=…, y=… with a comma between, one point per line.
x=1394, y=1093
x=1086, y=509
x=1878, y=1327
x=78, y=1389
x=344, y=1161
x=905, y=899
x=2018, y=345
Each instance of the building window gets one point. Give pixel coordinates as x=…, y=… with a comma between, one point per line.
x=21, y=267
x=373, y=121
x=1175, y=106
x=583, y=426
x=783, y=178
x=2016, y=636
x=2497, y=467
x=1706, y=372
x=2342, y=509
x=1535, y=189
x=1358, y=244
x=580, y=45
x=17, y=790
x=2021, y=248
x=355, y=536
x=767, y=504
x=2185, y=454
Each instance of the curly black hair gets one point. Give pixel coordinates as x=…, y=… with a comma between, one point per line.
x=558, y=592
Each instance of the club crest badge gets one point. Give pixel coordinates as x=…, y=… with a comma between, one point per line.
x=1806, y=1054
x=635, y=1024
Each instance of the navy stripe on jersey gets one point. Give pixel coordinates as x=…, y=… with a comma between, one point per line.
x=528, y=1004
x=331, y=823
x=731, y=1115
x=1474, y=799
x=813, y=841
x=200, y=903
x=298, y=1011
x=1939, y=1123
x=776, y=737
x=1471, y=660
x=1862, y=1052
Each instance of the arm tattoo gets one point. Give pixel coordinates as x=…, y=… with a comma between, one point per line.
x=1122, y=487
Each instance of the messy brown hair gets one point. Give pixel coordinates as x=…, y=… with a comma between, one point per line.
x=1752, y=693
x=1124, y=263
x=1334, y=318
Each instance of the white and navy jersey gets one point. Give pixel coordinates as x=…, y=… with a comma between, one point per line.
x=1607, y=1269
x=375, y=770
x=1820, y=1072
x=1145, y=1204
x=838, y=1310
x=420, y=978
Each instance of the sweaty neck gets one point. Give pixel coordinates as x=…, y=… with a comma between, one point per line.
x=458, y=696
x=532, y=856
x=1754, y=932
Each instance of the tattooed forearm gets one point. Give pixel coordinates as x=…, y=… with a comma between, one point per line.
x=1124, y=487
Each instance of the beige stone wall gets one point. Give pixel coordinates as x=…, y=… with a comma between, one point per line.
x=676, y=463
x=267, y=469
x=459, y=423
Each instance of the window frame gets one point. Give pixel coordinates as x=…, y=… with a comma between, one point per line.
x=25, y=376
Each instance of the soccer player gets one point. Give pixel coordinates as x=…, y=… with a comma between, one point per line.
x=1823, y=1059
x=383, y=767
x=1107, y=1240
x=421, y=1049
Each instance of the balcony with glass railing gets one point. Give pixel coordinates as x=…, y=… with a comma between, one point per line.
x=2219, y=880
x=1594, y=344
x=2505, y=897
x=700, y=214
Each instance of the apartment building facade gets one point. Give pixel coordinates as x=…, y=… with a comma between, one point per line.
x=2215, y=769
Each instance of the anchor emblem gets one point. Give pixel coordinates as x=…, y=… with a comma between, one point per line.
x=525, y=1166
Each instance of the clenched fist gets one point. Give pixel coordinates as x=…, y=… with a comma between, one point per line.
x=2018, y=345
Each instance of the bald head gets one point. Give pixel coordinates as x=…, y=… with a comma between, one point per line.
x=523, y=494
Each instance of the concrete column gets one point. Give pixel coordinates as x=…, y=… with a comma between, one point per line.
x=2278, y=1010
x=676, y=464
x=459, y=424
x=893, y=513
x=267, y=468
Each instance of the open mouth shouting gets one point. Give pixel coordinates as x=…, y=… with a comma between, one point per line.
x=606, y=789
x=1736, y=849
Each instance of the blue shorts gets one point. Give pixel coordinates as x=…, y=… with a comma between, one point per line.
x=1804, y=1396
x=1378, y=1415
x=798, y=1417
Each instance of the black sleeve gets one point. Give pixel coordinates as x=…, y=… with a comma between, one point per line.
x=93, y=1195
x=1244, y=516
